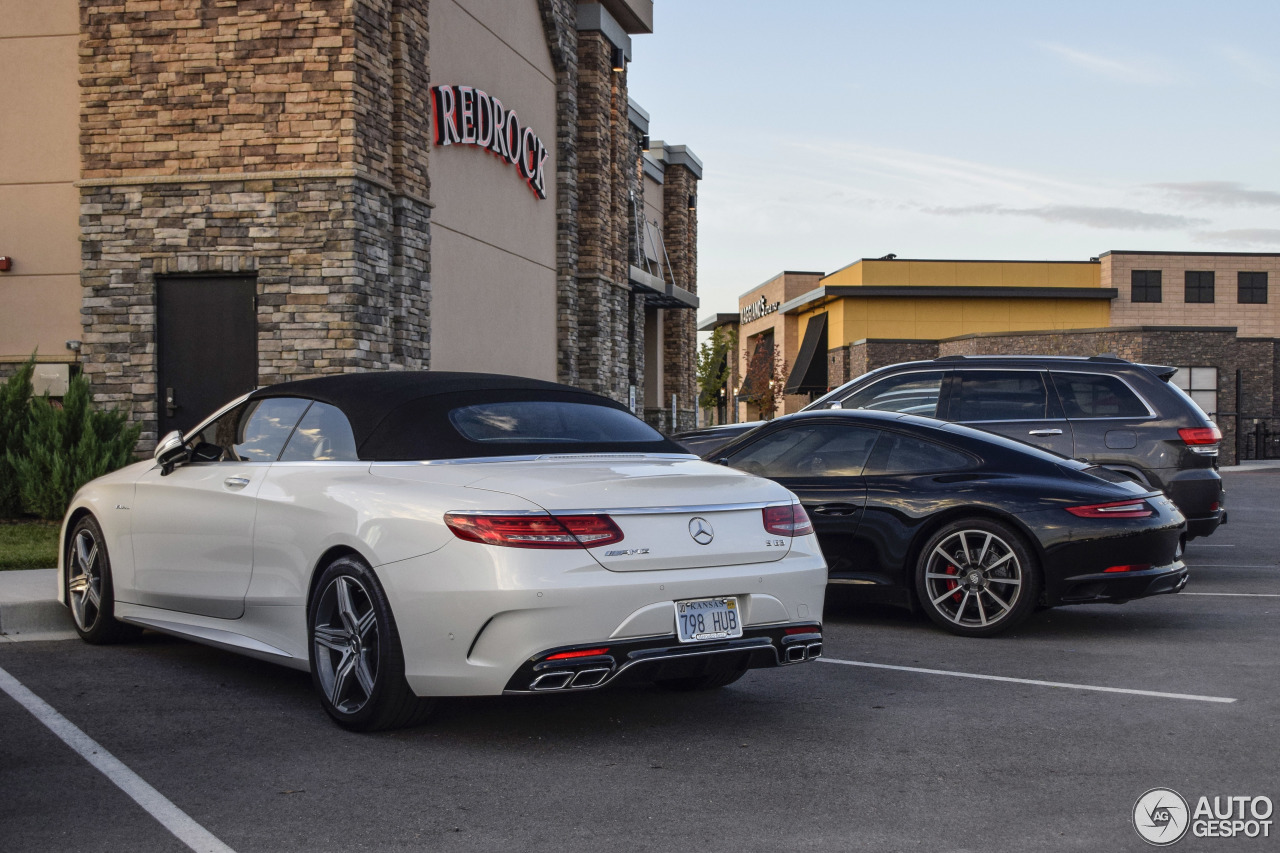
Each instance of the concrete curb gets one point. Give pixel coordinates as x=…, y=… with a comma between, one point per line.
x=29, y=609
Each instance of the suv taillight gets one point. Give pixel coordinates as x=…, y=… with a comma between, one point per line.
x=1201, y=440
x=1200, y=435
x=534, y=531
x=788, y=520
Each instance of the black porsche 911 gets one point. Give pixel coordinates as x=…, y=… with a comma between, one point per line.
x=975, y=529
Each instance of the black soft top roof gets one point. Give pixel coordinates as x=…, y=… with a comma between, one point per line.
x=403, y=415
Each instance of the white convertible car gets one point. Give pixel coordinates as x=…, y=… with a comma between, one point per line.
x=414, y=535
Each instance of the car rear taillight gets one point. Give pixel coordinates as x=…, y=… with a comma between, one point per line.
x=1200, y=435
x=1201, y=440
x=534, y=531
x=1115, y=509
x=788, y=520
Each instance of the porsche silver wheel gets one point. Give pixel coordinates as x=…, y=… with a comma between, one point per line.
x=977, y=578
x=346, y=640
x=84, y=581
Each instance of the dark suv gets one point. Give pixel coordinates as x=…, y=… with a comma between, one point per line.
x=1128, y=417
x=1112, y=412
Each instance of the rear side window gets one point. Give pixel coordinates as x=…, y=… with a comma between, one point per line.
x=1000, y=395
x=912, y=393
x=1089, y=395
x=550, y=422
x=817, y=450
x=906, y=454
x=323, y=435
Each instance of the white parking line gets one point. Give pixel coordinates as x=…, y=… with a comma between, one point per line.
x=1238, y=594
x=1156, y=694
x=156, y=804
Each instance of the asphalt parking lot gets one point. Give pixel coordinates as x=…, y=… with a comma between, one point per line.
x=871, y=754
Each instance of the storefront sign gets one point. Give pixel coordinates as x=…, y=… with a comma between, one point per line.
x=759, y=310
x=465, y=115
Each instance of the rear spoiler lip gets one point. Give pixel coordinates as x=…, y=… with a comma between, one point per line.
x=1162, y=372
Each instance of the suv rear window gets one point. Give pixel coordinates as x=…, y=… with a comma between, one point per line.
x=1000, y=395
x=1092, y=395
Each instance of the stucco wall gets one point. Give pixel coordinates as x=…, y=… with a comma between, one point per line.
x=39, y=163
x=493, y=250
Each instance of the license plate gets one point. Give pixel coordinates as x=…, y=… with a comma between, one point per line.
x=702, y=619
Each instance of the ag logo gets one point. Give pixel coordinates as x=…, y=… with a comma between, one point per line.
x=1161, y=816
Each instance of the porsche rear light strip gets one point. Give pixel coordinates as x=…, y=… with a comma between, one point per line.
x=1115, y=509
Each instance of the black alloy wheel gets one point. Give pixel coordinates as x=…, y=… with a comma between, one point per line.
x=976, y=577
x=90, y=593
x=357, y=664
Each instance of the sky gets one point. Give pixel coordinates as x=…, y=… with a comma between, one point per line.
x=835, y=130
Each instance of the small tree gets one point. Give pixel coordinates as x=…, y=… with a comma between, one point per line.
x=67, y=446
x=766, y=376
x=714, y=366
x=15, y=412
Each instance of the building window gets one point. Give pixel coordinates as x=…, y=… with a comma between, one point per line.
x=1146, y=286
x=1201, y=385
x=1199, y=286
x=1252, y=288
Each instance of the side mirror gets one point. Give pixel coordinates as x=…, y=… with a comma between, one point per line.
x=835, y=405
x=170, y=451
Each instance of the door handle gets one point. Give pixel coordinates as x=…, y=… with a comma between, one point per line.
x=837, y=509
x=236, y=482
x=170, y=403
x=1045, y=432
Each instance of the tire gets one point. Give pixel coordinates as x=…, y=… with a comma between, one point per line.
x=977, y=577
x=701, y=682
x=357, y=664
x=90, y=593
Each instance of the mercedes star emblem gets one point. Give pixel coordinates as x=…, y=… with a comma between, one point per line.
x=701, y=531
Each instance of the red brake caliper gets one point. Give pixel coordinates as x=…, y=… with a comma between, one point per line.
x=952, y=570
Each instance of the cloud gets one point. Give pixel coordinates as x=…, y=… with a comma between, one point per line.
x=1240, y=236
x=1224, y=193
x=1251, y=66
x=1113, y=68
x=1090, y=217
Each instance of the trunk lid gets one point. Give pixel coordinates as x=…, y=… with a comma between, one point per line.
x=674, y=513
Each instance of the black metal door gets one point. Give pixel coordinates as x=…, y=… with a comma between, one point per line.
x=207, y=346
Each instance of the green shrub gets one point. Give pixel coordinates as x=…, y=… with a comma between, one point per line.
x=15, y=411
x=66, y=447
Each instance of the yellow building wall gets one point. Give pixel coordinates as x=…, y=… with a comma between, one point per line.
x=852, y=319
x=966, y=274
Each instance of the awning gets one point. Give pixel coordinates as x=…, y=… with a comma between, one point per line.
x=810, y=371
x=758, y=371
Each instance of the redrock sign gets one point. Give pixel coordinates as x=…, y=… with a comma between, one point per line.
x=465, y=115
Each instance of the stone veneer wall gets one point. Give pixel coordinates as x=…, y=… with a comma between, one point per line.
x=679, y=343
x=278, y=139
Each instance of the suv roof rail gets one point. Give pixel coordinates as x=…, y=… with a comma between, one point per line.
x=1111, y=359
